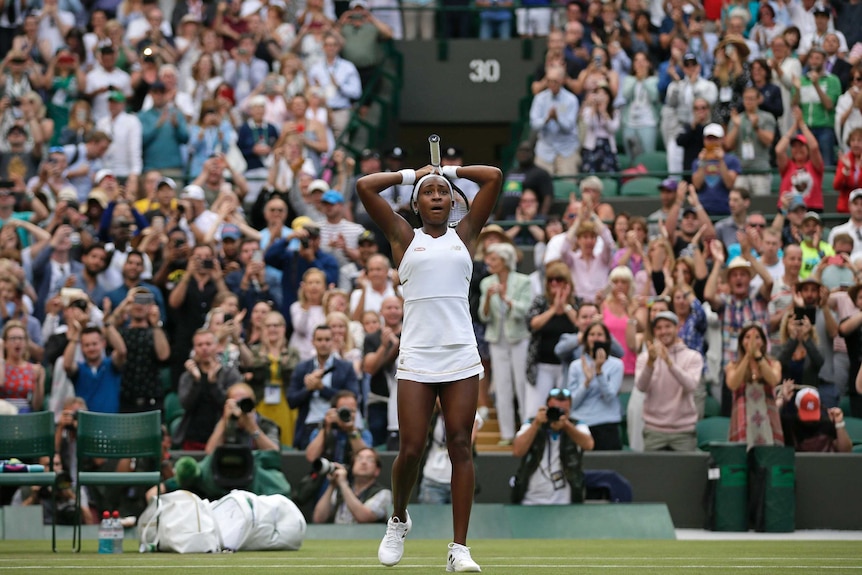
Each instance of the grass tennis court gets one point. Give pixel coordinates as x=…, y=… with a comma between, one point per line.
x=509, y=557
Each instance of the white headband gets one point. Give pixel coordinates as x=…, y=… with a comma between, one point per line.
x=423, y=179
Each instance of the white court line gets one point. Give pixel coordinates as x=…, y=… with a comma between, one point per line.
x=528, y=566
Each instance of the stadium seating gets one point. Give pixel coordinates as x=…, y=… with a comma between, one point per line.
x=653, y=161
x=25, y=436
x=712, y=429
x=116, y=436
x=642, y=186
x=854, y=429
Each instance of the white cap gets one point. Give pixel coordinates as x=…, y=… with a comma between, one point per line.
x=857, y=193
x=193, y=192
x=714, y=130
x=101, y=175
x=318, y=185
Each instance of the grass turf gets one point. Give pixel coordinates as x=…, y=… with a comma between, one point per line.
x=503, y=557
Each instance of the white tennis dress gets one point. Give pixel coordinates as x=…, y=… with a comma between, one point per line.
x=437, y=340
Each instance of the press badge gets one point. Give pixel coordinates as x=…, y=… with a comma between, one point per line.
x=747, y=150
x=725, y=94
x=272, y=394
x=559, y=480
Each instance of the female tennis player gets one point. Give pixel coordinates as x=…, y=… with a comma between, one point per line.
x=438, y=352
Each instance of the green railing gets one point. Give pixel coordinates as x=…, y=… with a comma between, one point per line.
x=380, y=100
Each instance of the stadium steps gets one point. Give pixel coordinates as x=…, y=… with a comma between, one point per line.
x=489, y=435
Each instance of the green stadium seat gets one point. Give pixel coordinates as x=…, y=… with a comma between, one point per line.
x=844, y=404
x=857, y=449
x=610, y=187
x=165, y=378
x=854, y=429
x=172, y=410
x=712, y=429
x=642, y=186
x=624, y=427
x=653, y=161
x=563, y=188
x=624, y=161
x=711, y=407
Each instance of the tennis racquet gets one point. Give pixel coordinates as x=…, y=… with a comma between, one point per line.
x=460, y=203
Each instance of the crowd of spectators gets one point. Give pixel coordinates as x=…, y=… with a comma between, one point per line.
x=176, y=218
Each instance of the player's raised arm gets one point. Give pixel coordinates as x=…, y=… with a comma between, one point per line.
x=490, y=181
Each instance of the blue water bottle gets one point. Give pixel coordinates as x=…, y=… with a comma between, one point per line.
x=106, y=535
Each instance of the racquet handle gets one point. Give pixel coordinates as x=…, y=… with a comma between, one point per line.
x=434, y=145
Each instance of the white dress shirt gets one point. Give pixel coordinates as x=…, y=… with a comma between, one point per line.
x=124, y=155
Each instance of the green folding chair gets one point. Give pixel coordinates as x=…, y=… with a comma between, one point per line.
x=712, y=429
x=25, y=436
x=116, y=436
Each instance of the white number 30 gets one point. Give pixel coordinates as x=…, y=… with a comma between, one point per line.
x=484, y=71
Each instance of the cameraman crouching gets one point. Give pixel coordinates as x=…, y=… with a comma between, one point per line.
x=555, y=476
x=340, y=435
x=365, y=501
x=252, y=429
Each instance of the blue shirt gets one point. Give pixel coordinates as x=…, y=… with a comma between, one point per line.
x=347, y=86
x=100, y=389
x=599, y=403
x=161, y=144
x=713, y=194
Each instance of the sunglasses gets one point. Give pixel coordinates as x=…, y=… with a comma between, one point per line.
x=556, y=279
x=557, y=393
x=758, y=225
x=701, y=107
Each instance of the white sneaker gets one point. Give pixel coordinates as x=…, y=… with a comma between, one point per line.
x=392, y=547
x=460, y=560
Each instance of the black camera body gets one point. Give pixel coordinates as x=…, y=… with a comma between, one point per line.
x=554, y=413
x=345, y=415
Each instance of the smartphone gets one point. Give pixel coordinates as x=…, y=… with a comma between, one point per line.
x=605, y=345
x=228, y=317
x=802, y=312
x=208, y=264
x=834, y=260
x=144, y=298
x=257, y=256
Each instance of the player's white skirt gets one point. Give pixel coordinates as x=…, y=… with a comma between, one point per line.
x=441, y=364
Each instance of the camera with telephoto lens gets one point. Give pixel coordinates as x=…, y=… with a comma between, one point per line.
x=344, y=414
x=554, y=414
x=323, y=466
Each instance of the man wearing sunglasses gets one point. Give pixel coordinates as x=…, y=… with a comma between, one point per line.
x=551, y=448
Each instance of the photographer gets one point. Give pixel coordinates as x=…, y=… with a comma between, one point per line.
x=62, y=504
x=251, y=428
x=551, y=446
x=363, y=501
x=340, y=435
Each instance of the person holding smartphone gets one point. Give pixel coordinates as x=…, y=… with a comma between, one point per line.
x=594, y=382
